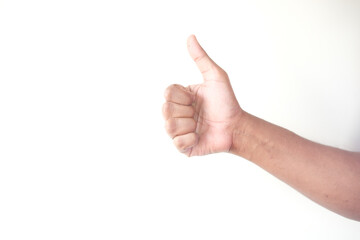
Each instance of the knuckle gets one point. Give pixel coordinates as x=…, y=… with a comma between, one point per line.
x=225, y=74
x=200, y=58
x=218, y=71
x=168, y=91
x=180, y=143
x=167, y=109
x=170, y=126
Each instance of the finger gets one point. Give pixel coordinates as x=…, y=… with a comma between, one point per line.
x=204, y=63
x=177, y=111
x=179, y=126
x=179, y=94
x=184, y=142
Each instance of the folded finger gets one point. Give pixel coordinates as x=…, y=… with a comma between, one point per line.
x=175, y=110
x=184, y=142
x=179, y=94
x=180, y=126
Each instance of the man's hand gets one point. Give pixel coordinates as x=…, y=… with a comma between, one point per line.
x=206, y=118
x=201, y=118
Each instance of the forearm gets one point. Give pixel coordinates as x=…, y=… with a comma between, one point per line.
x=326, y=175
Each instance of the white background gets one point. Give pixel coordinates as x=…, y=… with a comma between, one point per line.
x=83, y=152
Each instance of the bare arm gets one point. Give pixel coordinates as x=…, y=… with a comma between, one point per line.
x=329, y=176
x=206, y=118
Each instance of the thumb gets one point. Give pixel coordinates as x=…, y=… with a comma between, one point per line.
x=204, y=63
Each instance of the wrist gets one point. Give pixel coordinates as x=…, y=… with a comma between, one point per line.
x=239, y=133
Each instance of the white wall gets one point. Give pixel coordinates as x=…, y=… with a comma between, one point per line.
x=83, y=152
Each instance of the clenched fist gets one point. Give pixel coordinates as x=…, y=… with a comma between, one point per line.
x=201, y=118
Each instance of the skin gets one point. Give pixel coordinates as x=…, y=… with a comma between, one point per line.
x=206, y=118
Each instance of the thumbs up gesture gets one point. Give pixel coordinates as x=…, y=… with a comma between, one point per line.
x=201, y=118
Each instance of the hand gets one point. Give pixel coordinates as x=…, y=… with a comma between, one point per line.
x=201, y=118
